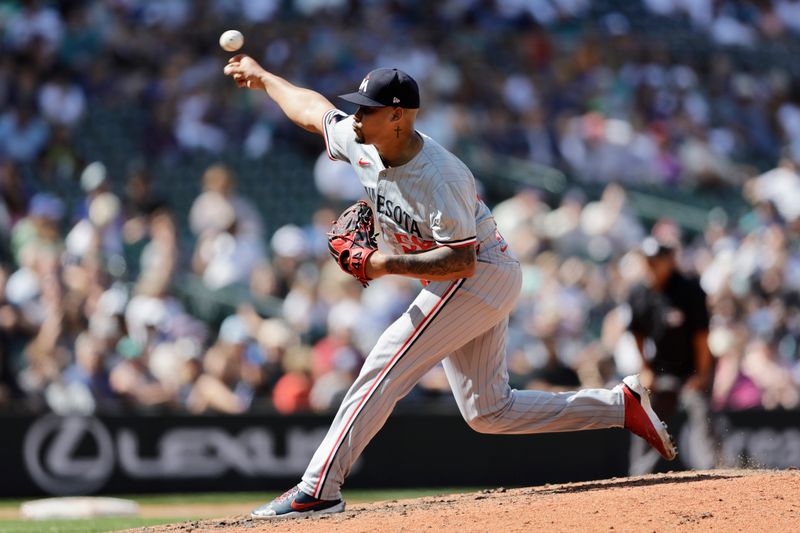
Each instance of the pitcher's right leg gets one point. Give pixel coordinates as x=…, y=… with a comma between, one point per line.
x=404, y=352
x=444, y=316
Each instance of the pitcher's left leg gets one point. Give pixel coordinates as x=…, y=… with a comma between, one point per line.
x=479, y=378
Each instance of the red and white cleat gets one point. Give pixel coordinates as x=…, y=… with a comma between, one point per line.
x=295, y=503
x=641, y=420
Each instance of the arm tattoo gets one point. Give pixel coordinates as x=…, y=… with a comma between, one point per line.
x=437, y=263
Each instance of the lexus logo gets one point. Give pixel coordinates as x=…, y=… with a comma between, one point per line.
x=78, y=455
x=72, y=455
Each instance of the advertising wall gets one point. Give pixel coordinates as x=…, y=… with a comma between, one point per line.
x=125, y=455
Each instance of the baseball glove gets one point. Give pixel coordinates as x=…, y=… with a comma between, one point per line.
x=351, y=240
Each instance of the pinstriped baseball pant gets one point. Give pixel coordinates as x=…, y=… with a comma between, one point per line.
x=464, y=323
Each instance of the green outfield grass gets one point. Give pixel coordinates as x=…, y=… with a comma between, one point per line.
x=99, y=525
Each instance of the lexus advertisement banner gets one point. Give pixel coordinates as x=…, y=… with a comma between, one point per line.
x=53, y=455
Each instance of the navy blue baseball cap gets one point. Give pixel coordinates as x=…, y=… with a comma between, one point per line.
x=386, y=87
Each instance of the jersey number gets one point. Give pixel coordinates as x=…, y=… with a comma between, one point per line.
x=411, y=243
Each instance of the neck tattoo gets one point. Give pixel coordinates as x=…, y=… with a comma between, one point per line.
x=397, y=131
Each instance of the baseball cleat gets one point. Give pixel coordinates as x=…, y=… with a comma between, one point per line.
x=295, y=503
x=641, y=420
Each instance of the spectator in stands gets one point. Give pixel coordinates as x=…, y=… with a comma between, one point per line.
x=37, y=289
x=292, y=392
x=219, y=186
x=89, y=371
x=23, y=133
x=100, y=233
x=229, y=231
x=780, y=186
x=39, y=229
x=131, y=378
x=275, y=338
x=733, y=388
x=335, y=360
x=34, y=21
x=62, y=101
x=144, y=207
x=159, y=257
x=772, y=376
x=232, y=371
x=609, y=227
x=229, y=255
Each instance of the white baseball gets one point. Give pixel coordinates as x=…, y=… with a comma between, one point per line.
x=231, y=40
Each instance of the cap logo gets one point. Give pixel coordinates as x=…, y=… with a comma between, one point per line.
x=363, y=87
x=395, y=100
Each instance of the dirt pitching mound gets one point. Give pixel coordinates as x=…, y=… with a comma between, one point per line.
x=719, y=500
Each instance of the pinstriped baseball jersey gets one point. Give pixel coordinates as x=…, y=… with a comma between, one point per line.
x=429, y=201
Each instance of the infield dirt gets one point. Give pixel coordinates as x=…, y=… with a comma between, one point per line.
x=718, y=500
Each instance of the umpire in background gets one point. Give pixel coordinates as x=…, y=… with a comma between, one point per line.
x=669, y=320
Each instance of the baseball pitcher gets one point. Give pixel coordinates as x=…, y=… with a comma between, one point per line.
x=422, y=201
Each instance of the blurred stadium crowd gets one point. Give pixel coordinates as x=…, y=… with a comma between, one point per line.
x=90, y=317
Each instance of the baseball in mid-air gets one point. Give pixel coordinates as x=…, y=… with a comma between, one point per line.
x=231, y=40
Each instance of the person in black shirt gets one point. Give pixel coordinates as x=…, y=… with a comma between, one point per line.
x=670, y=311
